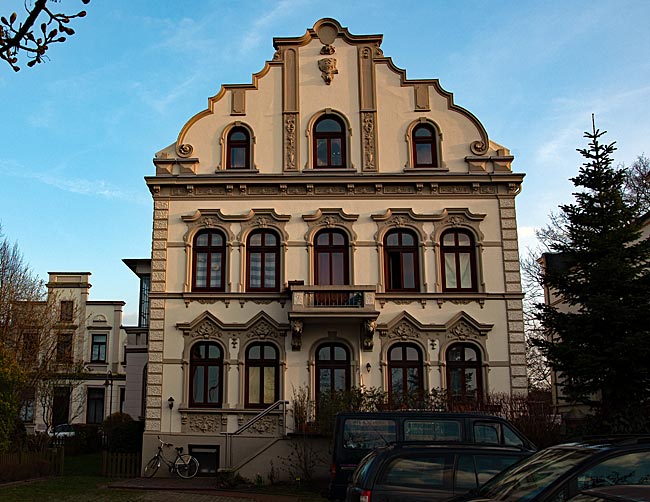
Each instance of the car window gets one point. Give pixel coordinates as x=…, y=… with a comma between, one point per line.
x=533, y=474
x=628, y=469
x=474, y=470
x=465, y=474
x=432, y=430
x=510, y=437
x=363, y=467
x=368, y=433
x=488, y=466
x=417, y=472
x=486, y=433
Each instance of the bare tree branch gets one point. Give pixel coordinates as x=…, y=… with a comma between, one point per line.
x=17, y=36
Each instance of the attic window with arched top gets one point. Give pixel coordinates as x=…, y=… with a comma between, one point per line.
x=238, y=152
x=425, y=147
x=329, y=143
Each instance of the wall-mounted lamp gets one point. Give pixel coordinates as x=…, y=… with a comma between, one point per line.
x=170, y=401
x=368, y=367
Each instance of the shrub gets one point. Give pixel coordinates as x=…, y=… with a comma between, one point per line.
x=122, y=434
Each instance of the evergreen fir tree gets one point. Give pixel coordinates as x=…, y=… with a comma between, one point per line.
x=601, y=346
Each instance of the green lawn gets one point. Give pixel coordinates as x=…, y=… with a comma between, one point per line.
x=80, y=481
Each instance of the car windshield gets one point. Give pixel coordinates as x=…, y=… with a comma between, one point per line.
x=531, y=476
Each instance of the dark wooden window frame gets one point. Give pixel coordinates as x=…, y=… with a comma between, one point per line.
x=330, y=249
x=401, y=250
x=404, y=365
x=476, y=365
x=329, y=136
x=64, y=348
x=431, y=141
x=262, y=363
x=263, y=249
x=206, y=363
x=67, y=311
x=332, y=364
x=211, y=251
x=238, y=143
x=456, y=251
x=95, y=343
x=93, y=402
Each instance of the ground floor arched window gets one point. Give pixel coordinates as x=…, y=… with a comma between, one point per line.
x=405, y=374
x=262, y=375
x=332, y=369
x=464, y=377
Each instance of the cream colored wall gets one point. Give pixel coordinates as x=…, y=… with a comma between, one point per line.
x=395, y=112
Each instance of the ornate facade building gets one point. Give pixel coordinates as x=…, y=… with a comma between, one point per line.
x=330, y=225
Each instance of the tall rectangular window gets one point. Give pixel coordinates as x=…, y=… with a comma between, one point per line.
x=145, y=287
x=64, y=348
x=98, y=349
x=67, y=311
x=95, y=407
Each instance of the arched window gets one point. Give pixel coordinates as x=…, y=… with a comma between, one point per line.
x=332, y=369
x=401, y=261
x=238, y=153
x=263, y=261
x=209, y=260
x=458, y=256
x=331, y=258
x=206, y=371
x=425, y=146
x=405, y=374
x=329, y=143
x=464, y=380
x=262, y=375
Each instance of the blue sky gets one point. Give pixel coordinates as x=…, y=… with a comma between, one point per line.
x=79, y=132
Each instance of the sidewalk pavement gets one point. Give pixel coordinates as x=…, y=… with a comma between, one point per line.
x=203, y=489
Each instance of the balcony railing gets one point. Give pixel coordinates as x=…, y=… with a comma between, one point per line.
x=351, y=299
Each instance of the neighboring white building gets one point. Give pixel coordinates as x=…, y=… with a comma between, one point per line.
x=331, y=224
x=89, y=332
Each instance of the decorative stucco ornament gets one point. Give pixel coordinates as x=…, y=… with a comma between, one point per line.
x=327, y=66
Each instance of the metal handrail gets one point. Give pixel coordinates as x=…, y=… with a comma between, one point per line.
x=251, y=422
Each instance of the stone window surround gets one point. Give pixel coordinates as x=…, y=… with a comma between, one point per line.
x=442, y=166
x=311, y=362
x=207, y=327
x=310, y=165
x=461, y=328
x=204, y=219
x=331, y=219
x=223, y=143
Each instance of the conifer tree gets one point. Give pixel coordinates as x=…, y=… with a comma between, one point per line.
x=600, y=345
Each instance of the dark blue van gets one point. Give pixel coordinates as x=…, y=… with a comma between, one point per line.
x=358, y=433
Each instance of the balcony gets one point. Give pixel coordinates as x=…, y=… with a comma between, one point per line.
x=311, y=304
x=332, y=301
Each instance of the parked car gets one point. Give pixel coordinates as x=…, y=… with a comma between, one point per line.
x=357, y=434
x=616, y=493
x=62, y=431
x=561, y=472
x=415, y=472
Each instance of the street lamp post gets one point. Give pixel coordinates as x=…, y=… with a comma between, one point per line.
x=109, y=383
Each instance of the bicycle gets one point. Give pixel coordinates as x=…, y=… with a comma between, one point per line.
x=185, y=465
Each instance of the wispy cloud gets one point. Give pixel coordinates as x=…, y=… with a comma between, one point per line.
x=252, y=38
x=100, y=188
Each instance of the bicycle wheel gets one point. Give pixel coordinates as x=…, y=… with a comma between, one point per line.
x=152, y=467
x=186, y=466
